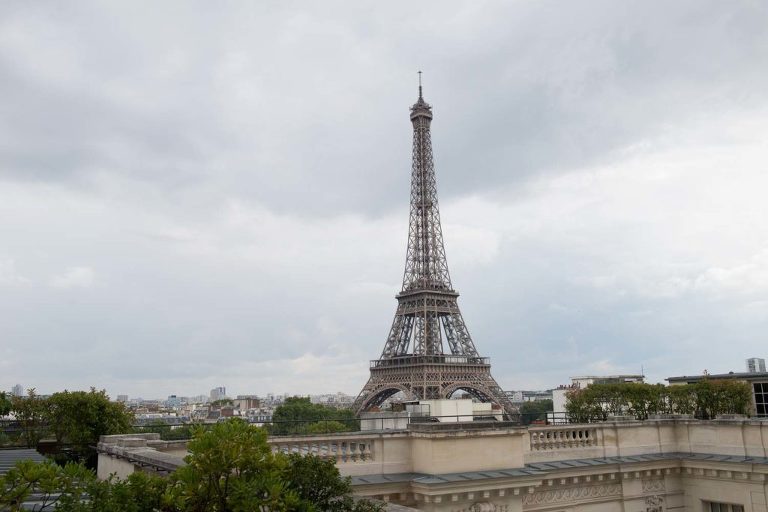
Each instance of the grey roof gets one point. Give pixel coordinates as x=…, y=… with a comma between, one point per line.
x=383, y=479
x=425, y=478
x=653, y=457
x=726, y=458
x=543, y=468
x=475, y=475
x=578, y=463
x=730, y=375
x=9, y=458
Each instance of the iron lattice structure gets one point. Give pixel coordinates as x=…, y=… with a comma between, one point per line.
x=414, y=361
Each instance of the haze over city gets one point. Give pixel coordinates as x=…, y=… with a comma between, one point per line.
x=215, y=196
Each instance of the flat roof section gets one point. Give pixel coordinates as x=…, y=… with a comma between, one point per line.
x=9, y=458
x=542, y=468
x=720, y=376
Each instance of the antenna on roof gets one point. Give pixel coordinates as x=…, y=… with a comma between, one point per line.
x=419, y=84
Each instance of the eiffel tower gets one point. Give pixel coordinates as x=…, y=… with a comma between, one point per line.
x=414, y=361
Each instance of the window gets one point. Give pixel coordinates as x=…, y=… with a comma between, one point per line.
x=761, y=398
x=713, y=506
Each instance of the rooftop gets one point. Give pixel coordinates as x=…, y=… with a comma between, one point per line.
x=716, y=376
x=9, y=458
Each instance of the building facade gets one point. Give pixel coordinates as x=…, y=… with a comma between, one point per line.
x=671, y=464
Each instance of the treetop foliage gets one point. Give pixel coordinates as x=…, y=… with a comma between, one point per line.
x=704, y=399
x=230, y=468
x=75, y=418
x=5, y=404
x=535, y=410
x=298, y=415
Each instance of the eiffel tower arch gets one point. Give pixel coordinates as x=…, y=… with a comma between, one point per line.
x=428, y=321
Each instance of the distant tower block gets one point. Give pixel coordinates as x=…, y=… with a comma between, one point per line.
x=756, y=365
x=414, y=360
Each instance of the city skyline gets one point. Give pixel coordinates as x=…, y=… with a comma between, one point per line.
x=200, y=197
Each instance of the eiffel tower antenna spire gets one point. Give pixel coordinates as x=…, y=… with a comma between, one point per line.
x=429, y=353
x=420, y=96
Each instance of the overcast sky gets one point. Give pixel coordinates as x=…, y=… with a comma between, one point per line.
x=197, y=194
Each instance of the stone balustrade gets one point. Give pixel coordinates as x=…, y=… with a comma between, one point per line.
x=344, y=449
x=562, y=437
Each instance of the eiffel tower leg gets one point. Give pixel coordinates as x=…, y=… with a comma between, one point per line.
x=376, y=391
x=485, y=389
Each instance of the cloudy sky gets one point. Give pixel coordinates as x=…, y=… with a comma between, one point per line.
x=195, y=195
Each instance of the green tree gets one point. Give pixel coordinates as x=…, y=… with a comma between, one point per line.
x=231, y=468
x=320, y=487
x=715, y=397
x=535, y=411
x=298, y=415
x=737, y=398
x=30, y=411
x=75, y=488
x=706, y=399
x=645, y=399
x=79, y=418
x=47, y=480
x=139, y=492
x=583, y=407
x=680, y=400
x=170, y=432
x=5, y=404
x=326, y=427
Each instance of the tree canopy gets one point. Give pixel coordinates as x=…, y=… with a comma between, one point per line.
x=75, y=418
x=230, y=468
x=79, y=418
x=30, y=412
x=704, y=399
x=5, y=404
x=298, y=415
x=535, y=410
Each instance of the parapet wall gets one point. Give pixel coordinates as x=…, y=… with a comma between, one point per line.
x=123, y=454
x=739, y=437
x=454, y=449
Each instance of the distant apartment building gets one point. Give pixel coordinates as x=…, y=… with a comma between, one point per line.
x=333, y=399
x=17, y=390
x=122, y=398
x=586, y=380
x=246, y=402
x=519, y=397
x=756, y=365
x=218, y=393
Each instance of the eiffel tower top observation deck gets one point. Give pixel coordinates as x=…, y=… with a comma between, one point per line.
x=427, y=321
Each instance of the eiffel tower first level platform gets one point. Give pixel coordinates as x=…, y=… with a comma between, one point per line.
x=430, y=377
x=429, y=353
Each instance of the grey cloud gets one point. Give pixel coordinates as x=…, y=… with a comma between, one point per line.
x=237, y=179
x=262, y=102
